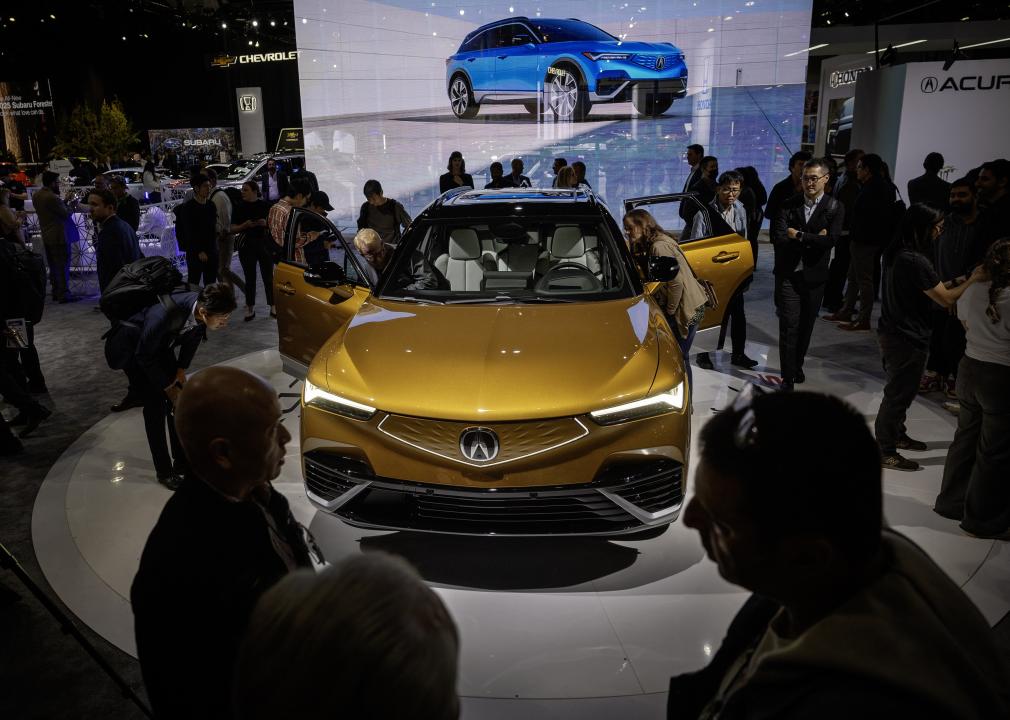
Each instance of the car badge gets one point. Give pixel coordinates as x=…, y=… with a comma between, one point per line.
x=479, y=444
x=660, y=63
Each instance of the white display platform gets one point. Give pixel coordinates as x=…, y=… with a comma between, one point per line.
x=553, y=628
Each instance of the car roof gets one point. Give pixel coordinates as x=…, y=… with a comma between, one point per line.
x=469, y=203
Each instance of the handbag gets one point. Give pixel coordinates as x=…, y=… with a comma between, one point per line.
x=238, y=240
x=711, y=296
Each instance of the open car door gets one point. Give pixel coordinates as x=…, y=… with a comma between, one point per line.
x=715, y=252
x=319, y=285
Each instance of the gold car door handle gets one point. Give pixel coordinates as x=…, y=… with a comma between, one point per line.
x=287, y=288
x=725, y=257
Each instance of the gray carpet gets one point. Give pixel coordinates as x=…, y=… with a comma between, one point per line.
x=44, y=673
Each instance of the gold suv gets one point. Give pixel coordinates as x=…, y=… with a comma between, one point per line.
x=508, y=373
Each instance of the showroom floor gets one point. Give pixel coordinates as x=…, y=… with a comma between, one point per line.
x=586, y=628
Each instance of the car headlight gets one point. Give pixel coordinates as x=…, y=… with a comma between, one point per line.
x=316, y=397
x=672, y=399
x=607, y=56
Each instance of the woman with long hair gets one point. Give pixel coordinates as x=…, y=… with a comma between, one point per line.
x=974, y=488
x=152, y=188
x=457, y=175
x=567, y=178
x=681, y=299
x=909, y=290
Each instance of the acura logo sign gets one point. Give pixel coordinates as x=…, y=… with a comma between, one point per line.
x=479, y=444
x=929, y=84
x=967, y=83
x=660, y=63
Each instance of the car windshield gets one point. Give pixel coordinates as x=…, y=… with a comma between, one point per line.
x=568, y=30
x=508, y=260
x=239, y=170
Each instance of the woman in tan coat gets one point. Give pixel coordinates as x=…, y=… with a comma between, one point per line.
x=683, y=298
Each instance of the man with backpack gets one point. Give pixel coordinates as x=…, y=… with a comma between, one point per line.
x=144, y=345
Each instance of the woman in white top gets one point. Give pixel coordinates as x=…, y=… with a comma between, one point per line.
x=152, y=187
x=976, y=476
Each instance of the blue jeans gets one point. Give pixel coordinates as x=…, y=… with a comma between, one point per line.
x=685, y=347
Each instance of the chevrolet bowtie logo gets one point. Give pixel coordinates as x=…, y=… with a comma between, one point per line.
x=479, y=444
x=224, y=61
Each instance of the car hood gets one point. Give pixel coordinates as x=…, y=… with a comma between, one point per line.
x=497, y=362
x=620, y=46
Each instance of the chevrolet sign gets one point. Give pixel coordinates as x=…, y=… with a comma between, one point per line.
x=225, y=61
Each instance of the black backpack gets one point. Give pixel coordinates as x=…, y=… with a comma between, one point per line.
x=29, y=276
x=138, y=286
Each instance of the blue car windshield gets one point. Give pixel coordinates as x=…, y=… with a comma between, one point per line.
x=569, y=30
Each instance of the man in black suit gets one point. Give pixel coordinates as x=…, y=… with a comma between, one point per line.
x=274, y=182
x=803, y=233
x=116, y=243
x=929, y=188
x=695, y=178
x=145, y=348
x=787, y=186
x=517, y=179
x=298, y=170
x=127, y=206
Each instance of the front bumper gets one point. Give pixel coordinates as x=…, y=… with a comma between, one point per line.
x=623, y=89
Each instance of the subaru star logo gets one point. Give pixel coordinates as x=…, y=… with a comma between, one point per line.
x=660, y=63
x=479, y=444
x=929, y=84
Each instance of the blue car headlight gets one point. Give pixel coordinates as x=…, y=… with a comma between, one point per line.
x=316, y=397
x=664, y=402
x=606, y=56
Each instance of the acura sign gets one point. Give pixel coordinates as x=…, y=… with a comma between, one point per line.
x=965, y=83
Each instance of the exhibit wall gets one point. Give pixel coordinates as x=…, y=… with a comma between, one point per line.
x=836, y=102
x=193, y=145
x=375, y=103
x=27, y=123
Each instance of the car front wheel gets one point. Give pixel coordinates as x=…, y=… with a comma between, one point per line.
x=652, y=104
x=564, y=96
x=461, y=99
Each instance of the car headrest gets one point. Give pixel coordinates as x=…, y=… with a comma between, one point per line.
x=567, y=242
x=464, y=244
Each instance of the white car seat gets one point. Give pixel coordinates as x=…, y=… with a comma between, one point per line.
x=462, y=265
x=569, y=245
x=521, y=257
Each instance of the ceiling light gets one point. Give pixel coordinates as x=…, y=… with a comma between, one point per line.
x=304, y=20
x=991, y=42
x=256, y=23
x=250, y=43
x=964, y=18
x=273, y=23
x=52, y=16
x=224, y=26
x=895, y=47
x=710, y=30
x=800, y=52
x=258, y=44
x=728, y=17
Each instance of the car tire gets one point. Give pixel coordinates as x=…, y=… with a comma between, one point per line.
x=461, y=99
x=652, y=104
x=534, y=108
x=565, y=95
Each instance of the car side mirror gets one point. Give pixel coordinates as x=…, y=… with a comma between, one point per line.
x=663, y=268
x=325, y=275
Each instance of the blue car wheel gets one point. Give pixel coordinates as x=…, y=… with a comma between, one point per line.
x=461, y=98
x=564, y=95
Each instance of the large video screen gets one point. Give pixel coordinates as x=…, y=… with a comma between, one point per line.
x=390, y=89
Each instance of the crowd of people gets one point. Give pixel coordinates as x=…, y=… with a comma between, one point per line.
x=235, y=617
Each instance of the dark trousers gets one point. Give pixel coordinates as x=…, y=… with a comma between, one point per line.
x=257, y=254
x=796, y=304
x=976, y=476
x=685, y=348
x=23, y=364
x=946, y=344
x=736, y=318
x=837, y=272
x=157, y=413
x=862, y=260
x=200, y=272
x=58, y=259
x=903, y=366
x=14, y=394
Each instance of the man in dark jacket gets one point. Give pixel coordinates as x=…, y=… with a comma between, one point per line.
x=116, y=244
x=222, y=541
x=845, y=191
x=803, y=233
x=145, y=347
x=384, y=215
x=274, y=182
x=53, y=214
x=299, y=172
x=848, y=618
x=196, y=232
x=993, y=185
x=787, y=186
x=930, y=188
x=127, y=206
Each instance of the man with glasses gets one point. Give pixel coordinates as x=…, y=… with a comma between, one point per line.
x=803, y=233
x=848, y=618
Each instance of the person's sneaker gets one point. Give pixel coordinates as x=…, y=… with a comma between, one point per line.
x=170, y=480
x=743, y=361
x=952, y=406
x=838, y=317
x=704, y=361
x=855, y=326
x=929, y=382
x=897, y=462
x=33, y=418
x=950, y=387
x=800, y=378
x=907, y=443
x=130, y=401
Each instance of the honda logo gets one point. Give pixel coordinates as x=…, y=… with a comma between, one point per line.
x=479, y=444
x=929, y=84
x=247, y=103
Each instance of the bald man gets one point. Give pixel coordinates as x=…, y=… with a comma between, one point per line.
x=223, y=538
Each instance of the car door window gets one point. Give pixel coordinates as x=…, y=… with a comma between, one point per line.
x=476, y=44
x=312, y=239
x=504, y=35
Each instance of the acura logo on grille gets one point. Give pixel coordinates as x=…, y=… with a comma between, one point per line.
x=660, y=63
x=479, y=444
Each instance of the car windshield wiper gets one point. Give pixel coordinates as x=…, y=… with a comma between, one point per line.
x=483, y=300
x=545, y=299
x=410, y=298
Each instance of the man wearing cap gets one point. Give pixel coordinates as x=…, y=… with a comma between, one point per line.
x=314, y=249
x=127, y=206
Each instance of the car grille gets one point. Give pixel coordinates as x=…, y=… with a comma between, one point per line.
x=580, y=509
x=649, y=61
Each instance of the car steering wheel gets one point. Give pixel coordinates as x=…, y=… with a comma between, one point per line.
x=544, y=283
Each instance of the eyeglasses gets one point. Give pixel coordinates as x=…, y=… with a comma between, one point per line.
x=813, y=178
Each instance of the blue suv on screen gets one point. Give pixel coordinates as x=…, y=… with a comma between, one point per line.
x=561, y=67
